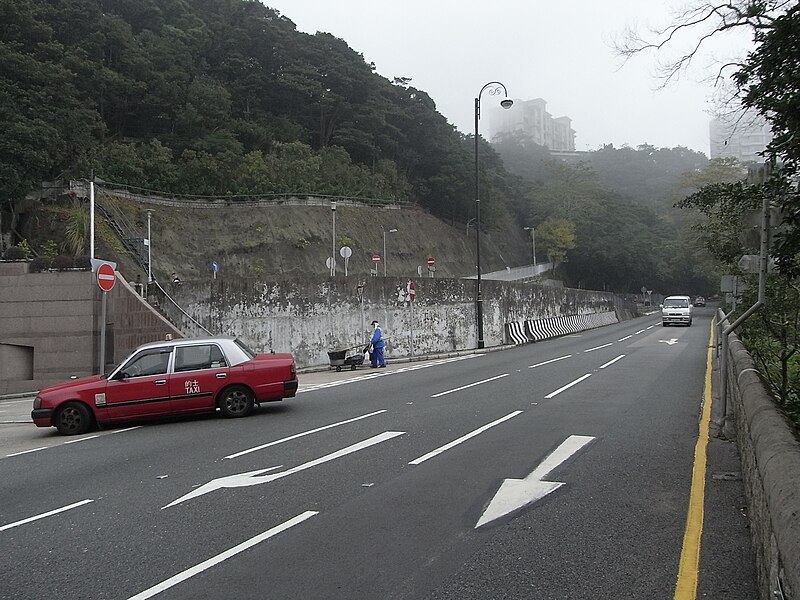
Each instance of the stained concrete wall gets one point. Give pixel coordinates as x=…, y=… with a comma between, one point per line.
x=56, y=317
x=310, y=317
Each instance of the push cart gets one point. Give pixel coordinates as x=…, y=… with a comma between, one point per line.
x=352, y=357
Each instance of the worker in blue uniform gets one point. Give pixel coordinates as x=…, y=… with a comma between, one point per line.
x=377, y=343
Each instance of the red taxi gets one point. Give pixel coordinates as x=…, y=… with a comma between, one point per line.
x=166, y=378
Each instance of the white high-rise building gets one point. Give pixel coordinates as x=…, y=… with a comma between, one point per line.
x=531, y=119
x=742, y=136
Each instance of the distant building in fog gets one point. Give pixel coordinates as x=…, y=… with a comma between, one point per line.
x=741, y=136
x=531, y=119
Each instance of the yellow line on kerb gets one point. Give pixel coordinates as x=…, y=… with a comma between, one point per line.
x=689, y=566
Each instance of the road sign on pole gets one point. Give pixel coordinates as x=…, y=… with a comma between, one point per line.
x=106, y=277
x=411, y=291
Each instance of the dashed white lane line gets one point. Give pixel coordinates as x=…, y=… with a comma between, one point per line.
x=44, y=515
x=464, y=387
x=612, y=361
x=627, y=337
x=598, y=347
x=215, y=560
x=303, y=434
x=547, y=362
x=464, y=438
x=566, y=387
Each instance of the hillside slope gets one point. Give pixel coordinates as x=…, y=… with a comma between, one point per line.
x=295, y=239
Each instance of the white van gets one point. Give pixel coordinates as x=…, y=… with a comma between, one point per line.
x=676, y=310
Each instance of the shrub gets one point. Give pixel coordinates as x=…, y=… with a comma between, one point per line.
x=15, y=253
x=63, y=262
x=83, y=262
x=49, y=249
x=39, y=264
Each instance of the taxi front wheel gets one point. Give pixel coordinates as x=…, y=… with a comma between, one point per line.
x=236, y=401
x=73, y=418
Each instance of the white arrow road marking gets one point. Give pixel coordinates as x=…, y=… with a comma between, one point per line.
x=215, y=560
x=256, y=478
x=517, y=493
x=669, y=342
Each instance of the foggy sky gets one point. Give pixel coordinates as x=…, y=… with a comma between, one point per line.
x=561, y=52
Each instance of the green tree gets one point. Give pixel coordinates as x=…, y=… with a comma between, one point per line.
x=557, y=236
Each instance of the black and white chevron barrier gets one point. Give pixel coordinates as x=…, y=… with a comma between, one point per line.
x=522, y=332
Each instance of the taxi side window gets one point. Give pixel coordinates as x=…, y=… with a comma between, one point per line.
x=194, y=358
x=154, y=362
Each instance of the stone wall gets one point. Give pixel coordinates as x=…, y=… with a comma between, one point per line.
x=770, y=455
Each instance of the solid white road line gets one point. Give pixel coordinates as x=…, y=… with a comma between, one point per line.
x=215, y=560
x=547, y=362
x=569, y=385
x=612, y=361
x=464, y=387
x=454, y=443
x=47, y=514
x=304, y=433
x=598, y=347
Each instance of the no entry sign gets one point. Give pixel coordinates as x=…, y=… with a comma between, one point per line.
x=431, y=261
x=376, y=258
x=106, y=277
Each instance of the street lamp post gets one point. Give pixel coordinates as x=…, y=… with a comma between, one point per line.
x=533, y=242
x=384, y=247
x=149, y=249
x=494, y=88
x=333, y=238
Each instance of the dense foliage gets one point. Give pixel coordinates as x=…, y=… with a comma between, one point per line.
x=226, y=97
x=767, y=81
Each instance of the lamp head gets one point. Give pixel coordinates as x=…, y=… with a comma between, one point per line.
x=506, y=102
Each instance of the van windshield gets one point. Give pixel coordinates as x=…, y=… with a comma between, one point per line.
x=676, y=303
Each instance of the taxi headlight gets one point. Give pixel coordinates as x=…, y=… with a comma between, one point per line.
x=37, y=403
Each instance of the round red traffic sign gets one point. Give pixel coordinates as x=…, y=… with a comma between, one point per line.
x=376, y=258
x=106, y=277
x=431, y=261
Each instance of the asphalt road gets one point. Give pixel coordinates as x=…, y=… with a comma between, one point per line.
x=387, y=484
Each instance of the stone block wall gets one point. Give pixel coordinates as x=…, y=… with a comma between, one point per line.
x=770, y=455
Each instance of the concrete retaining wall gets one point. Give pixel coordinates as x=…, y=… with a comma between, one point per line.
x=770, y=455
x=49, y=326
x=310, y=317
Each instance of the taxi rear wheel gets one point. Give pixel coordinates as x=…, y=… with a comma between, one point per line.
x=73, y=418
x=236, y=401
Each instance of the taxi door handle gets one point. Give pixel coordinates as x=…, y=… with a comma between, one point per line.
x=161, y=382
x=221, y=375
